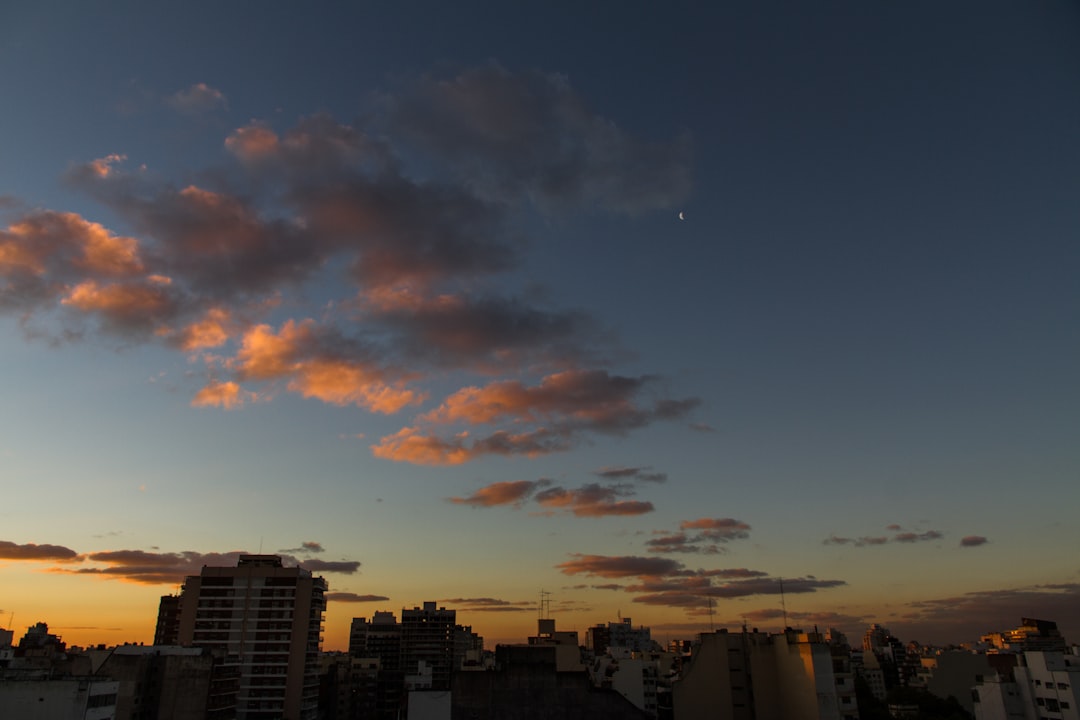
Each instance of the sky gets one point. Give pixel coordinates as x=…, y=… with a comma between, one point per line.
x=651, y=311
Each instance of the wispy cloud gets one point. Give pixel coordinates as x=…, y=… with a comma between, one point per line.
x=973, y=614
x=164, y=568
x=644, y=474
x=501, y=493
x=593, y=500
x=197, y=99
x=589, y=500
x=350, y=597
x=554, y=414
x=487, y=604
x=667, y=582
x=900, y=535
x=307, y=546
x=973, y=541
x=704, y=535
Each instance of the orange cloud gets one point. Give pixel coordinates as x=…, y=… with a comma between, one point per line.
x=499, y=493
x=583, y=393
x=210, y=331
x=251, y=142
x=119, y=301
x=343, y=383
x=102, y=167
x=15, y=256
x=409, y=445
x=718, y=529
x=593, y=500
x=227, y=395
x=66, y=238
x=619, y=566
x=266, y=355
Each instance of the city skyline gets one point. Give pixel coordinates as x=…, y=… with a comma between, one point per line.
x=658, y=311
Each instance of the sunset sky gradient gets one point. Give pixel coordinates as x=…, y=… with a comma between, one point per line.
x=653, y=308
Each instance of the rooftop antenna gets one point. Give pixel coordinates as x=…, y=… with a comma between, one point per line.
x=545, y=604
x=783, y=603
x=712, y=604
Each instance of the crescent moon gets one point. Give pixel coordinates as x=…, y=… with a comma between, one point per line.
x=681, y=216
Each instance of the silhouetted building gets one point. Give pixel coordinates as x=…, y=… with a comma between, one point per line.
x=159, y=682
x=265, y=620
x=427, y=634
x=526, y=684
x=167, y=630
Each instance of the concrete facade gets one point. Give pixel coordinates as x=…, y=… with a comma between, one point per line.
x=754, y=676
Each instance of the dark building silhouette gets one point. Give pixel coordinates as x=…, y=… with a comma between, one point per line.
x=427, y=635
x=265, y=620
x=160, y=683
x=527, y=685
x=167, y=630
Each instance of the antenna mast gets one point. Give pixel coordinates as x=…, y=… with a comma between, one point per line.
x=545, y=604
x=783, y=603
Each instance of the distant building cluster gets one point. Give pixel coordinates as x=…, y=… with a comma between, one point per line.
x=244, y=643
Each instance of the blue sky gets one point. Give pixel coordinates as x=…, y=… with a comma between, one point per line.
x=403, y=292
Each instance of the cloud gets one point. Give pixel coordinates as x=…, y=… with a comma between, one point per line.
x=718, y=529
x=170, y=568
x=618, y=566
x=681, y=543
x=911, y=537
x=350, y=597
x=501, y=493
x=643, y=474
x=345, y=567
x=973, y=541
x=487, y=604
x=705, y=536
x=592, y=500
x=666, y=582
x=318, y=362
x=905, y=537
x=45, y=253
x=226, y=395
x=566, y=404
x=30, y=551
x=151, y=568
x=404, y=225
x=692, y=592
x=198, y=99
x=306, y=547
x=529, y=134
x=971, y=615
